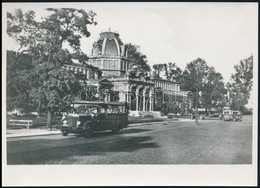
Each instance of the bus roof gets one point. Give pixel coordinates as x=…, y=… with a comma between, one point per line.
x=98, y=103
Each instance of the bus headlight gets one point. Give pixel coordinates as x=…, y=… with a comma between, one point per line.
x=78, y=123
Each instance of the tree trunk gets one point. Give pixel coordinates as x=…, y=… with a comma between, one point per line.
x=49, y=119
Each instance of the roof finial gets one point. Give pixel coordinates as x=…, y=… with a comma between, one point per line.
x=109, y=29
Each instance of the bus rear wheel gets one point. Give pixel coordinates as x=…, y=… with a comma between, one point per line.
x=64, y=133
x=117, y=128
x=88, y=132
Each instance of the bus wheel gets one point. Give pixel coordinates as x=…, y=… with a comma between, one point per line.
x=88, y=131
x=117, y=128
x=64, y=133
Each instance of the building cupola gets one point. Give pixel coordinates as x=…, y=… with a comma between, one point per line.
x=109, y=44
x=110, y=54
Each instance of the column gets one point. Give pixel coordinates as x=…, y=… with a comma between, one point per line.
x=137, y=100
x=96, y=76
x=98, y=96
x=144, y=100
x=151, y=103
x=129, y=99
x=108, y=97
x=87, y=74
x=126, y=97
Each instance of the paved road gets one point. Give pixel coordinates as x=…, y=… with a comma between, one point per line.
x=210, y=142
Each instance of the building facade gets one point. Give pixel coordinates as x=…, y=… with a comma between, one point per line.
x=110, y=56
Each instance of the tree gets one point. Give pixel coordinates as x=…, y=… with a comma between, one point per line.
x=199, y=77
x=213, y=91
x=195, y=75
x=18, y=90
x=139, y=68
x=171, y=71
x=241, y=84
x=51, y=43
x=158, y=68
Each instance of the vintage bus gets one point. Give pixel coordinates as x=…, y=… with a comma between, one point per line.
x=87, y=117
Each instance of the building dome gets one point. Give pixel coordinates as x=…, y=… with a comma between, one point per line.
x=110, y=55
x=109, y=44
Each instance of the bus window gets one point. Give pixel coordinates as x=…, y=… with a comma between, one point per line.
x=115, y=110
x=102, y=110
x=109, y=109
x=121, y=109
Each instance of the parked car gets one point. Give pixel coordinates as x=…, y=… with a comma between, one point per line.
x=88, y=117
x=233, y=115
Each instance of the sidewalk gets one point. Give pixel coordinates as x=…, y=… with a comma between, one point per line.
x=11, y=133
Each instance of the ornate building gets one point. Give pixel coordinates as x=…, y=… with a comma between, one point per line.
x=110, y=56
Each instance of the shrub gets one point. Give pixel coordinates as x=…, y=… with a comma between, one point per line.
x=247, y=113
x=170, y=116
x=148, y=116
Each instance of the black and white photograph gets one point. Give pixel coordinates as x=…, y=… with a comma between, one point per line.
x=127, y=93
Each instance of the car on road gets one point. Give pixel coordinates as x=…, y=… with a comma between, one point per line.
x=233, y=115
x=88, y=117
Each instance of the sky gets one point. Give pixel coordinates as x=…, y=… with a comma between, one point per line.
x=220, y=33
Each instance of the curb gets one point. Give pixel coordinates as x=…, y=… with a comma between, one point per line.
x=45, y=134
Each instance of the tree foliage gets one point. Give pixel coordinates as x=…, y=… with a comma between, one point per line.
x=241, y=84
x=157, y=69
x=212, y=95
x=139, y=68
x=52, y=42
x=198, y=76
x=18, y=90
x=171, y=71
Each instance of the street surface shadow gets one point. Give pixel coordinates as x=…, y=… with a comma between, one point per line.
x=99, y=134
x=129, y=131
x=121, y=144
x=109, y=133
